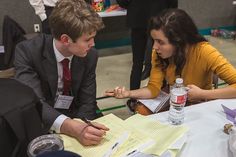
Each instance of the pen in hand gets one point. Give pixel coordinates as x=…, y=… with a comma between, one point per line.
x=89, y=123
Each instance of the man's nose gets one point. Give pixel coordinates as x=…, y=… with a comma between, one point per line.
x=91, y=43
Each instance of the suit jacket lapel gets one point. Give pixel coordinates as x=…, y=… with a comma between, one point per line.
x=77, y=71
x=50, y=65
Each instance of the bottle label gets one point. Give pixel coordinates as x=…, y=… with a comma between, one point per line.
x=178, y=96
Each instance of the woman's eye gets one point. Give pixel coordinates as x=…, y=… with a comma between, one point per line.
x=161, y=43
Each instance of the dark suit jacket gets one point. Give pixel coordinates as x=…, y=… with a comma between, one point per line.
x=13, y=33
x=36, y=66
x=20, y=117
x=139, y=11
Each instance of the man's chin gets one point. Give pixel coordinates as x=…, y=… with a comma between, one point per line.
x=82, y=54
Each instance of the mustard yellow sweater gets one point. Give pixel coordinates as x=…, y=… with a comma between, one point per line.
x=202, y=60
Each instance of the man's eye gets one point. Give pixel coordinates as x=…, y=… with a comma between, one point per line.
x=89, y=39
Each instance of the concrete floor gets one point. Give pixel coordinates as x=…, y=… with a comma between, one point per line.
x=114, y=66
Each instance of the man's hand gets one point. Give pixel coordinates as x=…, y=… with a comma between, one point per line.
x=86, y=134
x=118, y=92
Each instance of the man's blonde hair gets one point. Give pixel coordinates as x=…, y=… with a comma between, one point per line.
x=74, y=18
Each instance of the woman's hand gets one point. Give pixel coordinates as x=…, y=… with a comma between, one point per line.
x=195, y=93
x=118, y=92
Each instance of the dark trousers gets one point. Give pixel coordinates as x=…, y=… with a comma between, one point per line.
x=45, y=24
x=148, y=52
x=138, y=41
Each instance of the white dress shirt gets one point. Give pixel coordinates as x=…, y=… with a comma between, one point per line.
x=56, y=126
x=39, y=8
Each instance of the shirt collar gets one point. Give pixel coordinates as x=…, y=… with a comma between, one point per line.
x=59, y=56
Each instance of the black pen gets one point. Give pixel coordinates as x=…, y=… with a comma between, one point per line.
x=131, y=153
x=89, y=123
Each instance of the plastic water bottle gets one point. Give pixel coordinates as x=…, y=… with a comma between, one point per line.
x=177, y=102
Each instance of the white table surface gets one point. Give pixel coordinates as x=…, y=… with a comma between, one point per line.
x=205, y=121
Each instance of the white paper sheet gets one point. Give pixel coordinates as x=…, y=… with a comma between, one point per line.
x=155, y=104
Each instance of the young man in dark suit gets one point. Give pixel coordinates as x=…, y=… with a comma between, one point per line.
x=61, y=70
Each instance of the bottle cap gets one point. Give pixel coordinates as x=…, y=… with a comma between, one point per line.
x=44, y=143
x=179, y=81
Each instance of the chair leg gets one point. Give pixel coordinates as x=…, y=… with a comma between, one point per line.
x=215, y=81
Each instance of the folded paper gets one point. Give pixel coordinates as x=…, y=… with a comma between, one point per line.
x=230, y=113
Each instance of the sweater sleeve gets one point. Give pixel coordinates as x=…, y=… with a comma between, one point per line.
x=156, y=77
x=220, y=65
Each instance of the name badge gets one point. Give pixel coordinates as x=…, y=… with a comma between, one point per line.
x=63, y=102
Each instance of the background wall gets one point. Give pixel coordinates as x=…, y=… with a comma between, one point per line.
x=210, y=13
x=21, y=12
x=206, y=13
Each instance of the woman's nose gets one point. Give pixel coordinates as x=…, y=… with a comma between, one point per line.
x=156, y=46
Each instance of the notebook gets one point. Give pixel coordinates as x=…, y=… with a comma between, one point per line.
x=157, y=103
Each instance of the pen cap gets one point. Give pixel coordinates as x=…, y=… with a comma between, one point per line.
x=44, y=143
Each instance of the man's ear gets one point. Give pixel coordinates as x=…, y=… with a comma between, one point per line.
x=65, y=39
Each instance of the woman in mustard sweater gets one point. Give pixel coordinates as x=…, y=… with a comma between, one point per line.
x=180, y=51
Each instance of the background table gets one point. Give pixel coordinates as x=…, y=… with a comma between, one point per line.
x=112, y=13
x=205, y=121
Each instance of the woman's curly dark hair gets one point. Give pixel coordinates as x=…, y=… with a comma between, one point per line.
x=180, y=30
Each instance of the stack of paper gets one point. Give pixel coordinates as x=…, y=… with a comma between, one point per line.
x=157, y=103
x=164, y=135
x=134, y=135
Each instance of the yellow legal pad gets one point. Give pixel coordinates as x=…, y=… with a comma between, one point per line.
x=140, y=130
x=163, y=134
